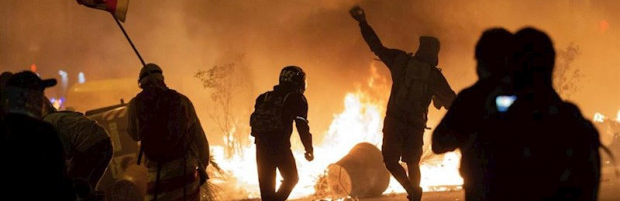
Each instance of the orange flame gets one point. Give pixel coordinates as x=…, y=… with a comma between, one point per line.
x=360, y=121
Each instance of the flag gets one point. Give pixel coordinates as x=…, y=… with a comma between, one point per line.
x=117, y=7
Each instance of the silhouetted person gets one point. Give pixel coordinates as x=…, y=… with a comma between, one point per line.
x=416, y=80
x=87, y=146
x=173, y=143
x=33, y=164
x=272, y=126
x=538, y=147
x=464, y=119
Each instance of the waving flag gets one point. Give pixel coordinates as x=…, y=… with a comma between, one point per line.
x=117, y=7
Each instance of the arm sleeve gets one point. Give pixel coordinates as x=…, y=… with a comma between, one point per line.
x=445, y=137
x=132, y=126
x=387, y=55
x=586, y=159
x=301, y=122
x=259, y=101
x=200, y=144
x=443, y=95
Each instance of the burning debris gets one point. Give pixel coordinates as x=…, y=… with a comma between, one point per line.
x=361, y=173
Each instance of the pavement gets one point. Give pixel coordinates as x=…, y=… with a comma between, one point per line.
x=609, y=191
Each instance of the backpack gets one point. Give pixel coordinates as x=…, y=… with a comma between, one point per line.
x=411, y=89
x=162, y=125
x=267, y=116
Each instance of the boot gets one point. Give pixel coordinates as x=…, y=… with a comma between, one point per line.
x=417, y=195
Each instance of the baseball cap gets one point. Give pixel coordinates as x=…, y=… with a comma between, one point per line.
x=30, y=80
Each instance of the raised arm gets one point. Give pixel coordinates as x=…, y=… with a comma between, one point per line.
x=387, y=55
x=443, y=95
x=444, y=138
x=453, y=130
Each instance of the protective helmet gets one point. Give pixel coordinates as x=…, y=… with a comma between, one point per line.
x=293, y=76
x=149, y=69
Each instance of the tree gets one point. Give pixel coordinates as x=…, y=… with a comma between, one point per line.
x=566, y=76
x=227, y=83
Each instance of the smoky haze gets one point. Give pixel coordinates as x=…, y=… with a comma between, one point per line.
x=185, y=36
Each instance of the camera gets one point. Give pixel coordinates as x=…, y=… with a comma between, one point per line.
x=504, y=102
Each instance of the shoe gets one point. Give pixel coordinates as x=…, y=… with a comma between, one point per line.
x=417, y=196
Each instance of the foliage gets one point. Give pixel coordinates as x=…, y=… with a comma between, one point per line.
x=209, y=191
x=567, y=76
x=226, y=83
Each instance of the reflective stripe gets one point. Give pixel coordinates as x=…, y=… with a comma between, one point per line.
x=301, y=118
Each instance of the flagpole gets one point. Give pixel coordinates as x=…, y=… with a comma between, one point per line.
x=129, y=39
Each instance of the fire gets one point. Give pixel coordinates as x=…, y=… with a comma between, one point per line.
x=360, y=121
x=600, y=118
x=442, y=175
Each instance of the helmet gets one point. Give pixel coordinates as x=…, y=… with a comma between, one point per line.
x=149, y=69
x=293, y=76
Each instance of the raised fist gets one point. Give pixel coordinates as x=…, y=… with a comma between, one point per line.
x=358, y=13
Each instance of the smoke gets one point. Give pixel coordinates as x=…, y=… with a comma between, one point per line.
x=185, y=36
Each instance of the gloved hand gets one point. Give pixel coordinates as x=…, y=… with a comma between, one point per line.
x=309, y=156
x=358, y=14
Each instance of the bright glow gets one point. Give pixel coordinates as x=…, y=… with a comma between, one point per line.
x=598, y=117
x=81, y=78
x=57, y=103
x=603, y=26
x=443, y=174
x=618, y=116
x=64, y=79
x=504, y=102
x=62, y=73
